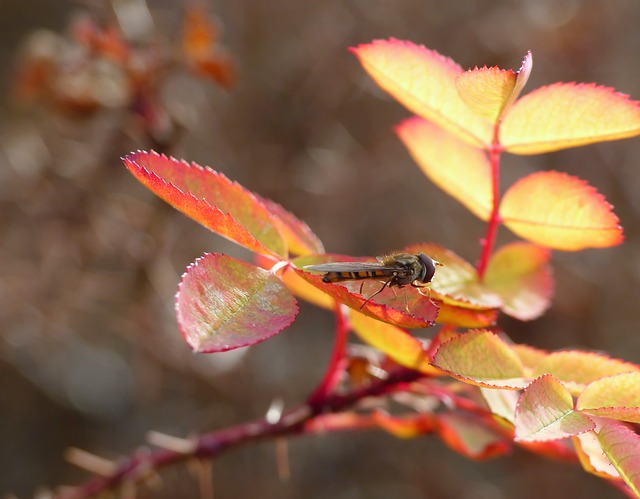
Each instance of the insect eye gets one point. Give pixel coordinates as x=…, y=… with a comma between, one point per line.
x=429, y=268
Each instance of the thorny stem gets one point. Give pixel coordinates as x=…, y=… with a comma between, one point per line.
x=140, y=464
x=494, y=220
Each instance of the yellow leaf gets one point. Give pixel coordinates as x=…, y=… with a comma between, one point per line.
x=393, y=341
x=561, y=212
x=486, y=90
x=462, y=171
x=424, y=82
x=568, y=115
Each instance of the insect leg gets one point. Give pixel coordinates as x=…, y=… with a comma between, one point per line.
x=376, y=293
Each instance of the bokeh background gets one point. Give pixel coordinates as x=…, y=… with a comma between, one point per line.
x=90, y=354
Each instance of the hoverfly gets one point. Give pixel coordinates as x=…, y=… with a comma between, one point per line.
x=396, y=269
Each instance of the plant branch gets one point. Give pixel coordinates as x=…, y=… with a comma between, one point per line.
x=144, y=463
x=488, y=241
x=332, y=374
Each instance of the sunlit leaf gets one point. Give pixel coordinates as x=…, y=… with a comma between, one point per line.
x=211, y=199
x=465, y=315
x=520, y=274
x=470, y=437
x=616, y=397
x=501, y=402
x=481, y=358
x=545, y=412
x=577, y=369
x=302, y=288
x=622, y=446
x=561, y=212
x=486, y=90
x=530, y=357
x=389, y=306
x=393, y=341
x=592, y=457
x=424, y=82
x=299, y=237
x=461, y=170
x=224, y=303
x=568, y=115
x=456, y=282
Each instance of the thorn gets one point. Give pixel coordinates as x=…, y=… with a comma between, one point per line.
x=169, y=442
x=282, y=458
x=274, y=413
x=90, y=462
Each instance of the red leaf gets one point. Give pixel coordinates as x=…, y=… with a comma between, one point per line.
x=211, y=199
x=224, y=303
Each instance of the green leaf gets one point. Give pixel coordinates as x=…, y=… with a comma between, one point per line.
x=224, y=303
x=616, y=397
x=545, y=412
x=577, y=369
x=481, y=358
x=622, y=446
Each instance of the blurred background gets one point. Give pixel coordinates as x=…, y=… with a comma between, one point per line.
x=90, y=354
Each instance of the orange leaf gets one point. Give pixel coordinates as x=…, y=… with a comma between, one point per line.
x=399, y=345
x=405, y=427
x=462, y=171
x=211, y=199
x=470, y=437
x=568, y=115
x=200, y=35
x=465, y=315
x=561, y=212
x=520, y=273
x=424, y=82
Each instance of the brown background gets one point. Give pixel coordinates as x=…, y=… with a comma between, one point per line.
x=90, y=355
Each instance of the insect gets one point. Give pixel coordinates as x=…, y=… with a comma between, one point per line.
x=396, y=269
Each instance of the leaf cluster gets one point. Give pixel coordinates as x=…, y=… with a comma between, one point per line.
x=477, y=390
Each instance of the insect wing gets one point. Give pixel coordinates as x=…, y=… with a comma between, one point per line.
x=354, y=271
x=349, y=267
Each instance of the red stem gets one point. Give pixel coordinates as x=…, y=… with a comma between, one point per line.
x=494, y=220
x=137, y=466
x=332, y=374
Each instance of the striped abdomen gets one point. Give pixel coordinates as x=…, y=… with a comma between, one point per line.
x=334, y=276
